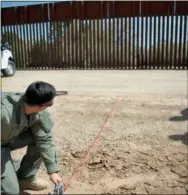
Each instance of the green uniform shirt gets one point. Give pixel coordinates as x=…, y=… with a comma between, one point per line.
x=14, y=121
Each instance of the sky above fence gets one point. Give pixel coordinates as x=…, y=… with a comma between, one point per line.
x=23, y=3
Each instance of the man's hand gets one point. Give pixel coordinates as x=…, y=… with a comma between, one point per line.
x=55, y=178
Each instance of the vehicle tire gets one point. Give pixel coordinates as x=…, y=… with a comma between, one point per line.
x=10, y=71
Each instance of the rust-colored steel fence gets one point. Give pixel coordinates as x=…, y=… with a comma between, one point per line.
x=98, y=35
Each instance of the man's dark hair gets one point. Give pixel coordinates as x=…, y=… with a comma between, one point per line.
x=39, y=93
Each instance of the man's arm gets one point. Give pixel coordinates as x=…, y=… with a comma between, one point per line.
x=42, y=133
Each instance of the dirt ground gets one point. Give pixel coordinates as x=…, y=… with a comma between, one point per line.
x=143, y=148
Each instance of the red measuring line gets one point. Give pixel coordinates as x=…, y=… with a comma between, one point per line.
x=91, y=145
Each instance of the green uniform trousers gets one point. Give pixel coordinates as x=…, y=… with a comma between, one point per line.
x=26, y=168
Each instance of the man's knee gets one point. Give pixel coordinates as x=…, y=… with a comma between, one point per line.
x=9, y=180
x=24, y=139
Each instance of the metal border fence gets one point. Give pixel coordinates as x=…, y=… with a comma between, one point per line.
x=98, y=35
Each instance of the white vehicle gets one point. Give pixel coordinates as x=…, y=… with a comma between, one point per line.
x=8, y=67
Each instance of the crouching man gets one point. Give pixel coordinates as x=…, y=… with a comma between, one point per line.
x=24, y=122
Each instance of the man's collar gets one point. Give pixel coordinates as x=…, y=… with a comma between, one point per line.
x=23, y=117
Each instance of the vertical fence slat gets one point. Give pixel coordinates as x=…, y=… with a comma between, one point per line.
x=83, y=45
x=102, y=45
x=33, y=45
x=18, y=47
x=40, y=42
x=129, y=47
x=117, y=41
x=86, y=45
x=39, y=45
x=24, y=46
x=126, y=43
x=46, y=62
x=48, y=44
x=110, y=45
x=7, y=34
x=113, y=35
x=167, y=42
x=175, y=55
x=121, y=45
x=98, y=45
x=12, y=43
x=42, y=45
x=3, y=34
x=171, y=42
x=53, y=36
x=59, y=37
x=76, y=43
x=82, y=42
x=180, y=41
x=68, y=47
x=133, y=46
x=154, y=43
x=142, y=43
x=106, y=65
x=89, y=57
x=150, y=42
x=60, y=49
x=65, y=45
x=54, y=43
x=138, y=43
x=146, y=42
x=60, y=46
x=72, y=43
x=15, y=46
x=56, y=32
x=94, y=45
x=111, y=7
x=45, y=31
x=28, y=31
x=184, y=42
x=159, y=43
x=50, y=36
x=163, y=40
x=90, y=44
x=186, y=63
x=11, y=37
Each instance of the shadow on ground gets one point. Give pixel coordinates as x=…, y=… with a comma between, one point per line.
x=183, y=138
x=179, y=137
x=183, y=117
